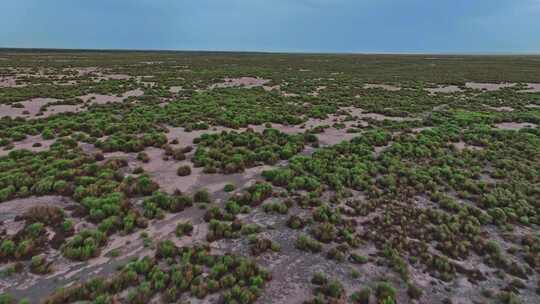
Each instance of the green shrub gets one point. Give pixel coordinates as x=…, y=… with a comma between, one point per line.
x=184, y=229
x=183, y=170
x=202, y=196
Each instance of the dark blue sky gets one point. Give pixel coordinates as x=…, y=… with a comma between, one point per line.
x=447, y=26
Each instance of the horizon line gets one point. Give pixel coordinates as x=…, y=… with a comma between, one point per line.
x=150, y=50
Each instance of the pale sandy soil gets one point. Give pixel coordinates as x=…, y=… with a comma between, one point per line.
x=65, y=83
x=488, y=86
x=246, y=82
x=117, y=76
x=293, y=269
x=461, y=145
x=175, y=89
x=276, y=87
x=387, y=87
x=28, y=143
x=32, y=106
x=82, y=71
x=10, y=82
x=444, y=89
x=419, y=130
x=128, y=246
x=514, y=125
x=186, y=138
x=362, y=114
x=164, y=173
x=330, y=136
x=143, y=80
x=286, y=94
x=16, y=207
x=532, y=88
x=501, y=109
x=102, y=99
x=97, y=73
x=380, y=149
x=317, y=91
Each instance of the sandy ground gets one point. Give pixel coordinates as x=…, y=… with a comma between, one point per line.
x=28, y=143
x=102, y=99
x=387, y=87
x=10, y=209
x=514, y=125
x=33, y=106
x=532, y=88
x=175, y=89
x=444, y=89
x=461, y=145
x=488, y=86
x=362, y=114
x=246, y=82
x=10, y=82
x=501, y=109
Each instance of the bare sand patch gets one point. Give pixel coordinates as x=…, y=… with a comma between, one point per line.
x=514, y=125
x=163, y=172
x=532, y=106
x=216, y=182
x=444, y=89
x=502, y=109
x=380, y=149
x=461, y=145
x=317, y=91
x=100, y=77
x=102, y=99
x=488, y=86
x=175, y=89
x=186, y=138
x=420, y=129
x=246, y=82
x=9, y=210
x=531, y=88
x=330, y=135
x=387, y=87
x=29, y=143
x=57, y=109
x=287, y=129
x=362, y=114
x=117, y=76
x=152, y=62
x=83, y=71
x=276, y=87
x=333, y=136
x=90, y=99
x=29, y=107
x=286, y=94
x=10, y=82
x=144, y=80
x=65, y=83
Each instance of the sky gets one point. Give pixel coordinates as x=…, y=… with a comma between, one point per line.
x=335, y=26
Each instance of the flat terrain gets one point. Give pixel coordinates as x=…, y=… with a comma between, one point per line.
x=185, y=177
